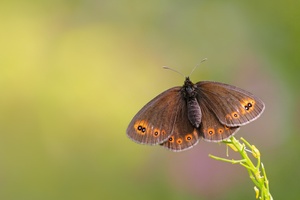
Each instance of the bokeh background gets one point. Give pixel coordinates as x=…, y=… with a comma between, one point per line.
x=74, y=73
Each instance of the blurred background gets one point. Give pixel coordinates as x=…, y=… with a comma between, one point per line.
x=74, y=73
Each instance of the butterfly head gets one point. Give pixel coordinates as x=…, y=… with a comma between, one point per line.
x=188, y=89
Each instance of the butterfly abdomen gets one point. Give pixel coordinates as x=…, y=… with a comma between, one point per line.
x=194, y=112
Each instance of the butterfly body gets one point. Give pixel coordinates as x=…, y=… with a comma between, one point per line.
x=180, y=116
x=189, y=93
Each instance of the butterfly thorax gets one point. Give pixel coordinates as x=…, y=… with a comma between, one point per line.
x=188, y=89
x=189, y=93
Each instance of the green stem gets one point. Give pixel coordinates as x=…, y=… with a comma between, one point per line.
x=261, y=182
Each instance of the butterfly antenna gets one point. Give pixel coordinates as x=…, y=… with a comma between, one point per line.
x=197, y=66
x=165, y=67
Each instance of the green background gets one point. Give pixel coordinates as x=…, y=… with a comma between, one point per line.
x=74, y=73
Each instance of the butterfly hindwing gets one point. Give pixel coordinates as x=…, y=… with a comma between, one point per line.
x=184, y=134
x=211, y=128
x=231, y=105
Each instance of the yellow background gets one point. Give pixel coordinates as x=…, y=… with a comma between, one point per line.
x=74, y=73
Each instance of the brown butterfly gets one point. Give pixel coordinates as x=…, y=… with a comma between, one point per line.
x=180, y=116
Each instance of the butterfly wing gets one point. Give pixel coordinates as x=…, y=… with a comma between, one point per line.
x=211, y=128
x=231, y=105
x=184, y=135
x=154, y=123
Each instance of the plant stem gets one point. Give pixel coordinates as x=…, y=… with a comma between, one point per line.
x=261, y=182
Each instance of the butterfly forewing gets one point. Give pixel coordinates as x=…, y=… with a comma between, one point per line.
x=231, y=105
x=154, y=123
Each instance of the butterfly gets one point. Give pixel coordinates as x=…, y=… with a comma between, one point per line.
x=180, y=116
